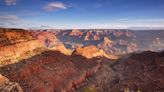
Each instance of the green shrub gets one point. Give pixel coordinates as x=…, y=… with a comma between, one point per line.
x=89, y=89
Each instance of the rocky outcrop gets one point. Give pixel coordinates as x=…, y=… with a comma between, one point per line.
x=50, y=41
x=7, y=86
x=16, y=44
x=132, y=47
x=61, y=48
x=107, y=45
x=14, y=36
x=92, y=51
x=76, y=32
x=10, y=54
x=142, y=72
x=87, y=36
x=51, y=72
x=96, y=37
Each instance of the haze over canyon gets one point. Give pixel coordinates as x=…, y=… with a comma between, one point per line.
x=95, y=60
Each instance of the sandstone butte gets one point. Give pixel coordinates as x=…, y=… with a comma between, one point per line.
x=76, y=32
x=92, y=51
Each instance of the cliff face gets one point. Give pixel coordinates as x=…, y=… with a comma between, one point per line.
x=33, y=62
x=50, y=41
x=51, y=72
x=13, y=36
x=12, y=53
x=15, y=45
x=142, y=72
x=92, y=51
x=8, y=86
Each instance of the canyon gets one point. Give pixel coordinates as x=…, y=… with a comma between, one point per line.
x=93, y=60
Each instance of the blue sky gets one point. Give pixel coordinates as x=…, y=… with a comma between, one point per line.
x=83, y=14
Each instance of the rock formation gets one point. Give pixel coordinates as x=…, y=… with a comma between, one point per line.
x=76, y=32
x=142, y=72
x=132, y=47
x=87, y=36
x=13, y=36
x=51, y=72
x=16, y=44
x=49, y=40
x=92, y=51
x=7, y=86
x=107, y=45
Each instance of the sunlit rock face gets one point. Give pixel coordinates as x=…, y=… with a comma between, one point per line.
x=50, y=41
x=76, y=32
x=13, y=36
x=8, y=54
x=92, y=51
x=107, y=45
x=16, y=44
x=8, y=86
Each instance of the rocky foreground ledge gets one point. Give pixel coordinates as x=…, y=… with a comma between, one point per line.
x=51, y=72
x=142, y=72
x=8, y=86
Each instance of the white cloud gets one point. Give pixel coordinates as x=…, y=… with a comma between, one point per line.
x=54, y=6
x=8, y=18
x=10, y=2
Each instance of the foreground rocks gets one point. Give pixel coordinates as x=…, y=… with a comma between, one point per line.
x=7, y=86
x=142, y=72
x=51, y=72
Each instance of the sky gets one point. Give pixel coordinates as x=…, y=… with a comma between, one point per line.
x=82, y=14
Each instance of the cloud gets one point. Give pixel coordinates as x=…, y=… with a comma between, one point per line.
x=10, y=2
x=54, y=6
x=8, y=18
